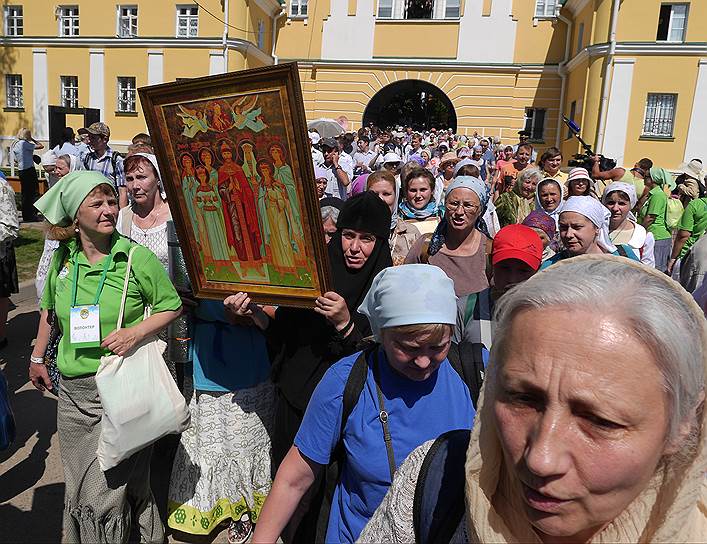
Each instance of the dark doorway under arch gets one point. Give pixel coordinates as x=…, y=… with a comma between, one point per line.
x=411, y=102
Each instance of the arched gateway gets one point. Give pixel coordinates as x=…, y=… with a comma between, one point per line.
x=412, y=102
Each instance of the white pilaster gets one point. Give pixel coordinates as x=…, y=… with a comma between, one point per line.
x=155, y=66
x=498, y=29
x=217, y=62
x=40, y=95
x=696, y=146
x=617, y=113
x=349, y=37
x=96, y=88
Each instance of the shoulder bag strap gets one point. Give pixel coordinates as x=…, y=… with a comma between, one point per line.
x=383, y=416
x=125, y=289
x=126, y=222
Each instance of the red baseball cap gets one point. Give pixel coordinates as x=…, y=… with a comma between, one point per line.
x=517, y=242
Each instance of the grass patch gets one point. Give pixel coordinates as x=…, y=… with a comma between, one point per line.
x=28, y=250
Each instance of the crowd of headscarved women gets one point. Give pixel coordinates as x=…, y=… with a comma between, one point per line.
x=328, y=424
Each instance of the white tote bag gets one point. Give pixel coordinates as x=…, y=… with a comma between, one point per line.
x=141, y=402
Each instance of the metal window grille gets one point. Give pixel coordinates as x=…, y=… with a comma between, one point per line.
x=535, y=123
x=187, y=21
x=69, y=21
x=13, y=91
x=546, y=8
x=70, y=91
x=127, y=21
x=660, y=115
x=126, y=94
x=451, y=9
x=298, y=8
x=14, y=24
x=385, y=9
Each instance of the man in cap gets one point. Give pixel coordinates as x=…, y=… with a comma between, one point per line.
x=516, y=256
x=338, y=178
x=524, y=139
x=689, y=180
x=103, y=159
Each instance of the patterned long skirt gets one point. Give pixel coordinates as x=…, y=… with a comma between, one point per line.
x=222, y=468
x=100, y=507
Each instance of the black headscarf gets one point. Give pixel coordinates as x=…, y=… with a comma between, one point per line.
x=364, y=212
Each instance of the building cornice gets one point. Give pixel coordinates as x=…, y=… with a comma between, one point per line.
x=638, y=49
x=244, y=46
x=423, y=64
x=576, y=6
x=271, y=7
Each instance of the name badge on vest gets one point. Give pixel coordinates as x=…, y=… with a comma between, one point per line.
x=85, y=326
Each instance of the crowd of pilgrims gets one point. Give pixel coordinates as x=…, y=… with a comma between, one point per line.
x=489, y=305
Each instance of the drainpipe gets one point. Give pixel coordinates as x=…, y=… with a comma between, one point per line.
x=275, y=20
x=225, y=35
x=562, y=70
x=603, y=105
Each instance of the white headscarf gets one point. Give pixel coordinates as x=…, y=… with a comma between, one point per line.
x=597, y=213
x=627, y=188
x=153, y=160
x=555, y=214
x=388, y=302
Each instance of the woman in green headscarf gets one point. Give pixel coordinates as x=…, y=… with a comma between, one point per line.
x=515, y=205
x=653, y=214
x=83, y=295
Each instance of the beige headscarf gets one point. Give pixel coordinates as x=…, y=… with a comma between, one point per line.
x=672, y=508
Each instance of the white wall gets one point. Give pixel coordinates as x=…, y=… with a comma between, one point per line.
x=696, y=146
x=617, y=113
x=40, y=95
x=96, y=88
x=487, y=39
x=347, y=37
x=155, y=66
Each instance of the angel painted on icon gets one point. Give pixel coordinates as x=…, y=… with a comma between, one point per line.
x=246, y=116
x=193, y=120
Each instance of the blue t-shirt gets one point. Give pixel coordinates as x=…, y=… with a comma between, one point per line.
x=562, y=255
x=24, y=152
x=417, y=412
x=226, y=357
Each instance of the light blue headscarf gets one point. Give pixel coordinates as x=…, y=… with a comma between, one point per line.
x=388, y=302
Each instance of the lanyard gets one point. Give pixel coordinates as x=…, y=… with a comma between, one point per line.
x=74, y=286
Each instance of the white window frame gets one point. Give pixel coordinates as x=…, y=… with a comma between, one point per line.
x=130, y=19
x=532, y=124
x=547, y=9
x=69, y=91
x=296, y=11
x=14, y=92
x=660, y=114
x=390, y=4
x=672, y=20
x=66, y=13
x=126, y=100
x=14, y=22
x=445, y=9
x=190, y=16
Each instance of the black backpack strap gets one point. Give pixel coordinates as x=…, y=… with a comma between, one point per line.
x=467, y=359
x=352, y=392
x=438, y=506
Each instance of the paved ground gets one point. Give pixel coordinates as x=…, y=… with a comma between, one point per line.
x=31, y=475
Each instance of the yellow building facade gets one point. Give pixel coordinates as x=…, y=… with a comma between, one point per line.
x=631, y=73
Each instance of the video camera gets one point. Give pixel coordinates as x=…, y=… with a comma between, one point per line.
x=585, y=160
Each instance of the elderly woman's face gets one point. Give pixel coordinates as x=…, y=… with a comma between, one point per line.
x=580, y=433
x=98, y=212
x=463, y=208
x=550, y=196
x=142, y=183
x=577, y=232
x=61, y=168
x=358, y=246
x=527, y=186
x=414, y=357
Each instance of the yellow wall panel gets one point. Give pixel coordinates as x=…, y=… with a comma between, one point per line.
x=411, y=39
x=180, y=63
x=544, y=43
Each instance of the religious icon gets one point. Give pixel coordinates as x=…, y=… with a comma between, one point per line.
x=237, y=171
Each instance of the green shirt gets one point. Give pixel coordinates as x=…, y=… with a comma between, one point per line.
x=148, y=285
x=693, y=220
x=657, y=204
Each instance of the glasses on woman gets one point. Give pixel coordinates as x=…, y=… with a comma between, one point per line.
x=468, y=207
